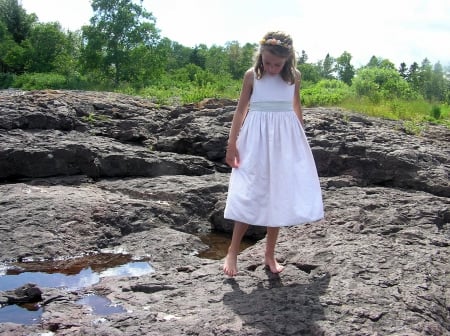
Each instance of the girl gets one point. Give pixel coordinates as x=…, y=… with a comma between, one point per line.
x=274, y=180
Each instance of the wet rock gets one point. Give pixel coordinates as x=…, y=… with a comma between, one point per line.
x=89, y=172
x=28, y=293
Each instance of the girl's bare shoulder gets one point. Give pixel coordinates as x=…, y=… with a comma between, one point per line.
x=249, y=73
x=249, y=76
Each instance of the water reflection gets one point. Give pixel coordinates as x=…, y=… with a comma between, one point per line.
x=101, y=305
x=74, y=274
x=19, y=315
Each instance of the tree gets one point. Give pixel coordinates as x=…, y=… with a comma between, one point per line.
x=198, y=56
x=327, y=69
x=432, y=81
x=217, y=61
x=379, y=62
x=6, y=45
x=178, y=55
x=310, y=72
x=233, y=49
x=438, y=86
x=403, y=70
x=413, y=76
x=45, y=44
x=16, y=20
x=240, y=58
x=303, y=58
x=345, y=71
x=67, y=62
x=378, y=83
x=15, y=27
x=248, y=56
x=120, y=31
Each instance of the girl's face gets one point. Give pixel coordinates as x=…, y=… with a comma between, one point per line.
x=272, y=64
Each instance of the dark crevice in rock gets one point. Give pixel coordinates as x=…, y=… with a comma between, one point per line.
x=307, y=268
x=151, y=288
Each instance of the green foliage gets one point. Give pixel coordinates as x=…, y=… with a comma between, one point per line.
x=344, y=69
x=378, y=84
x=15, y=58
x=120, y=41
x=6, y=80
x=436, y=112
x=40, y=81
x=239, y=58
x=93, y=118
x=329, y=92
x=378, y=62
x=42, y=48
x=310, y=72
x=190, y=84
x=327, y=67
x=16, y=20
x=414, y=112
x=412, y=127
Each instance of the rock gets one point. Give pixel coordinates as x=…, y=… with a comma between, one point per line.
x=88, y=172
x=28, y=293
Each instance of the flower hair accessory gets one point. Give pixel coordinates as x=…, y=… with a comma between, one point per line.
x=275, y=42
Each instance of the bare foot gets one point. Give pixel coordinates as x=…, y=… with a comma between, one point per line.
x=273, y=265
x=230, y=264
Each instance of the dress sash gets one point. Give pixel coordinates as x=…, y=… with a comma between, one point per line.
x=271, y=106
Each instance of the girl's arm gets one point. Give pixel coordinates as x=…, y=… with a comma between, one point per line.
x=297, y=101
x=232, y=156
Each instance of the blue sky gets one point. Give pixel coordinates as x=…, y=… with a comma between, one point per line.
x=399, y=30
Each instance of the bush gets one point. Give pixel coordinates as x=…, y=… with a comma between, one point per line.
x=327, y=92
x=40, y=81
x=380, y=84
x=436, y=112
x=6, y=80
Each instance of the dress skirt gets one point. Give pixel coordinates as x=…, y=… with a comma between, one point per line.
x=276, y=183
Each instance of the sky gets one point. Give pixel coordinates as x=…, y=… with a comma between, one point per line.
x=398, y=30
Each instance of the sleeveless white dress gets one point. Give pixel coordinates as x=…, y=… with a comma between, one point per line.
x=276, y=183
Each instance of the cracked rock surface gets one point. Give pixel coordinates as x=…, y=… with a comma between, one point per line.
x=87, y=172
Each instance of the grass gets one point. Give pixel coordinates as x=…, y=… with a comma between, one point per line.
x=415, y=112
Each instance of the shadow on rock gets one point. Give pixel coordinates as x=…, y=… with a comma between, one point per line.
x=276, y=309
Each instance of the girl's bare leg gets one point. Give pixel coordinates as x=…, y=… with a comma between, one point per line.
x=230, y=264
x=269, y=258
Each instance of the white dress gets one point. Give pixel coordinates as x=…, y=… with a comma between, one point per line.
x=276, y=183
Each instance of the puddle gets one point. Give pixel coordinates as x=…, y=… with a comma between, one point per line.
x=20, y=314
x=100, y=305
x=218, y=245
x=73, y=274
x=79, y=273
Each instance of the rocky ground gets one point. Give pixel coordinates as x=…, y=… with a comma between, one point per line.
x=87, y=172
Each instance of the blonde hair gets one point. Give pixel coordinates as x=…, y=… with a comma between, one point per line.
x=280, y=45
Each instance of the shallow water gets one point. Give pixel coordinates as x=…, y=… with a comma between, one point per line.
x=100, y=305
x=218, y=245
x=20, y=315
x=73, y=274
x=79, y=273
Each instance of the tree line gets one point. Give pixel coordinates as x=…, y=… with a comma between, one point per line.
x=122, y=47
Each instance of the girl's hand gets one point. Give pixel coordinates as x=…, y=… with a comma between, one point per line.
x=232, y=156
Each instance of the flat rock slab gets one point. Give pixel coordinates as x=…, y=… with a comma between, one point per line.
x=89, y=172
